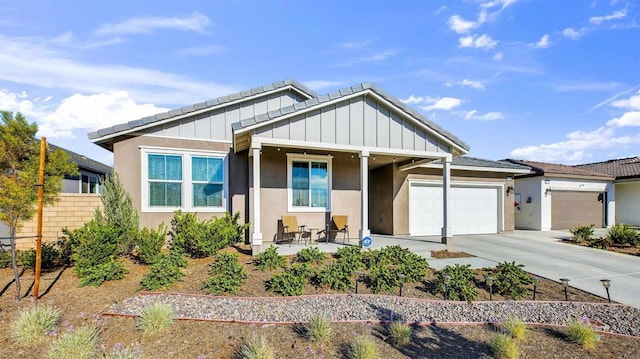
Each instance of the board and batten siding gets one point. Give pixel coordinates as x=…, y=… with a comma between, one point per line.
x=216, y=124
x=360, y=121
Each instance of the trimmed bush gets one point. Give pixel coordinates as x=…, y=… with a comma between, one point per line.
x=287, y=284
x=227, y=275
x=34, y=323
x=387, y=264
x=50, y=257
x=600, y=242
x=149, y=244
x=319, y=329
x=461, y=286
x=623, y=235
x=582, y=333
x=511, y=280
x=165, y=271
x=364, y=347
x=269, y=259
x=201, y=239
x=256, y=348
x=350, y=258
x=82, y=343
x=581, y=233
x=100, y=273
x=155, y=318
x=504, y=347
x=310, y=255
x=336, y=276
x=399, y=333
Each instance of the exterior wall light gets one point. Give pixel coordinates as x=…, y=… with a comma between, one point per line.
x=402, y=277
x=536, y=281
x=447, y=281
x=606, y=283
x=510, y=189
x=565, y=284
x=547, y=191
x=489, y=280
x=358, y=274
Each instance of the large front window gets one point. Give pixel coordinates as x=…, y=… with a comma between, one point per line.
x=190, y=181
x=309, y=183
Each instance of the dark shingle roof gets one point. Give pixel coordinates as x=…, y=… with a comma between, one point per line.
x=198, y=107
x=84, y=162
x=343, y=93
x=543, y=168
x=479, y=162
x=621, y=168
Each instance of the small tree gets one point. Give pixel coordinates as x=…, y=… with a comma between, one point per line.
x=19, y=160
x=117, y=210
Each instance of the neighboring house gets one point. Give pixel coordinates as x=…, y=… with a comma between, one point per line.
x=627, y=185
x=555, y=196
x=282, y=149
x=77, y=202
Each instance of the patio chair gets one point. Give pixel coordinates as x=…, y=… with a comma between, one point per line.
x=338, y=225
x=291, y=229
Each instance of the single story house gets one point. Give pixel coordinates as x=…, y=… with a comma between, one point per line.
x=627, y=186
x=282, y=149
x=555, y=196
x=76, y=204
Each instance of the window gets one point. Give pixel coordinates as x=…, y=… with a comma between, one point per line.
x=89, y=184
x=309, y=183
x=191, y=181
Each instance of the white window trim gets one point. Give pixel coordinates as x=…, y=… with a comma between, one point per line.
x=309, y=158
x=187, y=184
x=98, y=183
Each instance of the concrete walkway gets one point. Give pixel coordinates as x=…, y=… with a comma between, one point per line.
x=544, y=254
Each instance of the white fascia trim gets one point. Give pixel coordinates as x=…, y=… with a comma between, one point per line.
x=143, y=134
x=478, y=169
x=319, y=158
x=179, y=117
x=259, y=141
x=348, y=97
x=456, y=183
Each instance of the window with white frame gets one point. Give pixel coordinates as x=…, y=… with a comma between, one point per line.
x=187, y=180
x=309, y=183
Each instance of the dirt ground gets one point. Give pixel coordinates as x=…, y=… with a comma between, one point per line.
x=190, y=339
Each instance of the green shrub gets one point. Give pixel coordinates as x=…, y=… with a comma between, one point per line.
x=165, y=271
x=400, y=333
x=600, y=242
x=581, y=233
x=461, y=285
x=82, y=343
x=155, y=318
x=515, y=328
x=319, y=329
x=511, y=280
x=5, y=258
x=227, y=275
x=269, y=259
x=149, y=244
x=623, y=235
x=504, y=347
x=201, y=239
x=287, y=283
x=350, y=258
x=582, y=333
x=301, y=270
x=310, y=255
x=100, y=273
x=336, y=276
x=382, y=278
x=50, y=257
x=364, y=347
x=387, y=264
x=34, y=323
x=256, y=348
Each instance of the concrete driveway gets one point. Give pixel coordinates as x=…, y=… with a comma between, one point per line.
x=544, y=254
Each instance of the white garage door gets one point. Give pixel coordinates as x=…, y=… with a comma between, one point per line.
x=474, y=210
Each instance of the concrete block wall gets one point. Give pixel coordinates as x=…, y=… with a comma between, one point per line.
x=71, y=211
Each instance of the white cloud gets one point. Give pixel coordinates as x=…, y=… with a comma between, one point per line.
x=483, y=41
x=200, y=50
x=86, y=112
x=632, y=103
x=413, y=99
x=498, y=56
x=574, y=34
x=356, y=45
x=146, y=24
x=628, y=119
x=489, y=116
x=615, y=16
x=377, y=57
x=461, y=26
x=569, y=86
x=444, y=103
x=468, y=83
x=323, y=84
x=543, y=43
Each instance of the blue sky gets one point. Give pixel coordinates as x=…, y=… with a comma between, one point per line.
x=555, y=81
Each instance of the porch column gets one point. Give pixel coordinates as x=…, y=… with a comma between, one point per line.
x=364, y=194
x=447, y=229
x=256, y=236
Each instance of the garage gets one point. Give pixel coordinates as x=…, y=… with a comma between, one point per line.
x=572, y=208
x=474, y=209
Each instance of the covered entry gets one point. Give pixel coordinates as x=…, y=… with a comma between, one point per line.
x=475, y=208
x=572, y=208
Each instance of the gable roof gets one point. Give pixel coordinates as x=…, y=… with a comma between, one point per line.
x=622, y=168
x=121, y=129
x=275, y=115
x=83, y=161
x=553, y=169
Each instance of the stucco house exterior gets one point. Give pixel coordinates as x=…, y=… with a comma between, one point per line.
x=555, y=196
x=282, y=149
x=627, y=186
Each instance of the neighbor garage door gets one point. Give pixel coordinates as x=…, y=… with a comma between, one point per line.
x=570, y=209
x=474, y=210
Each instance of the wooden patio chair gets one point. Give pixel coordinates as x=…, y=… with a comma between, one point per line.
x=291, y=229
x=339, y=224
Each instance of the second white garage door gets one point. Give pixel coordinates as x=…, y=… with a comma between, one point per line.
x=474, y=209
